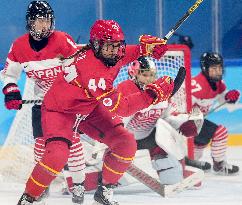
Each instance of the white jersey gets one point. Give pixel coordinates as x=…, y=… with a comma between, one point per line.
x=42, y=66
x=203, y=96
x=143, y=122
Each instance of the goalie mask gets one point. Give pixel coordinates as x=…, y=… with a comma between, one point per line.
x=107, y=41
x=40, y=19
x=142, y=72
x=212, y=66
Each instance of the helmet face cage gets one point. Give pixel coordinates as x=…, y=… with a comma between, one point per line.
x=140, y=67
x=107, y=32
x=208, y=60
x=39, y=10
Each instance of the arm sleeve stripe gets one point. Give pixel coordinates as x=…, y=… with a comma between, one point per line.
x=77, y=83
x=105, y=94
x=117, y=104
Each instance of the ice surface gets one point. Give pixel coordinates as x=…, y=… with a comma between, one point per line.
x=216, y=190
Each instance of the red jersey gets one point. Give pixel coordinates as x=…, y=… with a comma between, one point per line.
x=203, y=95
x=142, y=123
x=87, y=82
x=42, y=66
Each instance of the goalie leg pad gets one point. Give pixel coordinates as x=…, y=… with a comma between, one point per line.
x=170, y=140
x=168, y=168
x=48, y=168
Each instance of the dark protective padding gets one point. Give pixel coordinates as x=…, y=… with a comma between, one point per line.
x=62, y=139
x=206, y=133
x=148, y=142
x=36, y=121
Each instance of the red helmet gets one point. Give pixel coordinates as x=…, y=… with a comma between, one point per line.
x=106, y=30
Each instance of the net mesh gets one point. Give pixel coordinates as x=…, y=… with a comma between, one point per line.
x=17, y=153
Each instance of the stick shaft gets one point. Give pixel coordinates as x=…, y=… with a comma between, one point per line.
x=183, y=19
x=31, y=101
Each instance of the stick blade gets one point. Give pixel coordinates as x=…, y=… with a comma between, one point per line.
x=180, y=77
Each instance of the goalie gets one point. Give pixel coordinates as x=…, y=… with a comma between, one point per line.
x=167, y=147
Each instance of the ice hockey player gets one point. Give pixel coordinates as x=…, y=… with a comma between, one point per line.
x=88, y=91
x=208, y=88
x=152, y=127
x=36, y=53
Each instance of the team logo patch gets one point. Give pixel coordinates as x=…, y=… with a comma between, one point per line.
x=107, y=102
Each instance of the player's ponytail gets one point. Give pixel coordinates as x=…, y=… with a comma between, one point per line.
x=81, y=50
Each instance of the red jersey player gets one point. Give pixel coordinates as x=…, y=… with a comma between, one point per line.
x=35, y=53
x=156, y=127
x=208, y=87
x=86, y=88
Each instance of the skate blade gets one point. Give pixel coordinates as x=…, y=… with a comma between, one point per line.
x=225, y=174
x=40, y=203
x=96, y=203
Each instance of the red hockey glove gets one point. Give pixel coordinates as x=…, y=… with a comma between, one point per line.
x=161, y=89
x=232, y=96
x=188, y=128
x=12, y=99
x=152, y=46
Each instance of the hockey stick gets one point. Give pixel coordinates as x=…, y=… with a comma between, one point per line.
x=183, y=19
x=180, y=77
x=214, y=109
x=153, y=183
x=31, y=101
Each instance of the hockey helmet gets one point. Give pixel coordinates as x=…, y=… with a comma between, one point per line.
x=142, y=71
x=39, y=10
x=107, y=31
x=211, y=59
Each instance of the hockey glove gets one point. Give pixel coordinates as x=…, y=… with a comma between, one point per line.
x=152, y=46
x=12, y=99
x=232, y=96
x=161, y=89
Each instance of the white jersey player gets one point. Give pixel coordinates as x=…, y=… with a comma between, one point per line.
x=208, y=88
x=152, y=126
x=37, y=54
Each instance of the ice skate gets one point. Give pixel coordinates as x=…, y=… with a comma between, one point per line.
x=104, y=195
x=26, y=200
x=223, y=168
x=78, y=193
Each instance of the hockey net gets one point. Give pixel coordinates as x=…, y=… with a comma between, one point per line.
x=16, y=155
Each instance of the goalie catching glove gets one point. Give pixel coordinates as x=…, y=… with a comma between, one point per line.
x=12, y=99
x=161, y=89
x=152, y=46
